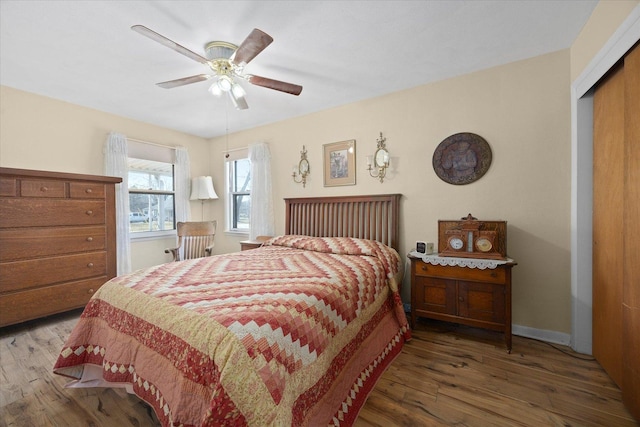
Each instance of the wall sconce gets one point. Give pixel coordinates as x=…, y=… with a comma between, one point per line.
x=380, y=160
x=202, y=189
x=302, y=170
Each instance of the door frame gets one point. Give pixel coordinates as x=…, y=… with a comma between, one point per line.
x=582, y=177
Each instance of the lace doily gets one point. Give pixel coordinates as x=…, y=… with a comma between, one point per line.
x=481, y=264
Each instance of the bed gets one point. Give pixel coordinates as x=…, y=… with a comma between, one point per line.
x=294, y=333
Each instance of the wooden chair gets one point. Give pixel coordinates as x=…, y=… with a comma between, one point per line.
x=195, y=240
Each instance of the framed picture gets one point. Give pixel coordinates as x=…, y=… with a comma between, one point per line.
x=340, y=163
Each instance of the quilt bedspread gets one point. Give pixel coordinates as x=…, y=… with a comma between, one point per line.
x=294, y=333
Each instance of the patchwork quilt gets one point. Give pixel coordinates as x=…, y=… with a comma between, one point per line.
x=295, y=333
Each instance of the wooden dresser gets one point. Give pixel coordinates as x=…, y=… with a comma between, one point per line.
x=469, y=296
x=57, y=241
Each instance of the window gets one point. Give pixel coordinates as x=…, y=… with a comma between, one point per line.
x=239, y=197
x=151, y=196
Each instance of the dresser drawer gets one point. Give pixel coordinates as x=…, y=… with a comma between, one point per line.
x=42, y=188
x=31, y=304
x=496, y=275
x=43, y=242
x=8, y=186
x=86, y=190
x=18, y=275
x=50, y=212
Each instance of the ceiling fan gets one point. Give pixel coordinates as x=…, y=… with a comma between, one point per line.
x=227, y=61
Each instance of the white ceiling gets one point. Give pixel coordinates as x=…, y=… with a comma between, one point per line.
x=84, y=52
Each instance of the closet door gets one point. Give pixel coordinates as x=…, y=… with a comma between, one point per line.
x=616, y=227
x=608, y=218
x=631, y=287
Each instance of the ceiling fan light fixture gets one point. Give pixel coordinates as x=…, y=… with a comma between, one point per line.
x=225, y=83
x=238, y=91
x=215, y=89
x=239, y=102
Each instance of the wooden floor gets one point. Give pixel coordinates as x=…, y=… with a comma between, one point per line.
x=447, y=375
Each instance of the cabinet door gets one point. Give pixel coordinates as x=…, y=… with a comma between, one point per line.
x=481, y=301
x=436, y=295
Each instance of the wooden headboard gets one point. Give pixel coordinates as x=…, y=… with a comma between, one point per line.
x=367, y=217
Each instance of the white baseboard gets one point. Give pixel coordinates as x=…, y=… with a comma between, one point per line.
x=541, y=334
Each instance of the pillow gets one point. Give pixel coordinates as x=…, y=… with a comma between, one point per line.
x=343, y=246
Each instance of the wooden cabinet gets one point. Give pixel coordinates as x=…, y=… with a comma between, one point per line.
x=470, y=296
x=57, y=241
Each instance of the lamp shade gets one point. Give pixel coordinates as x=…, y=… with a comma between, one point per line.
x=202, y=188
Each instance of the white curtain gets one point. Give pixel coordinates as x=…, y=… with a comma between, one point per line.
x=262, y=220
x=183, y=183
x=116, y=155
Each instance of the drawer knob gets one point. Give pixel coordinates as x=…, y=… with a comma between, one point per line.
x=89, y=212
x=90, y=265
x=424, y=268
x=90, y=291
x=88, y=190
x=44, y=188
x=493, y=274
x=89, y=239
x=461, y=298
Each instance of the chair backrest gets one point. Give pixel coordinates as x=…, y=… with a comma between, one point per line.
x=195, y=239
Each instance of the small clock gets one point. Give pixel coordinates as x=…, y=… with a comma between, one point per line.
x=483, y=244
x=471, y=238
x=455, y=243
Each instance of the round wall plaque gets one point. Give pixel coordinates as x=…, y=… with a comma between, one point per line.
x=462, y=158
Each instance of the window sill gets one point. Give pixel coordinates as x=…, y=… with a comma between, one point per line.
x=151, y=235
x=237, y=233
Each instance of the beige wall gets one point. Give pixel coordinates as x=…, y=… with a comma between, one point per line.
x=521, y=109
x=605, y=19
x=42, y=133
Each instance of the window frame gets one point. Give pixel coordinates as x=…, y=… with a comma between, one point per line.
x=232, y=206
x=145, y=154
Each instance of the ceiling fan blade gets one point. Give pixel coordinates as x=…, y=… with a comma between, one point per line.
x=184, y=81
x=274, y=84
x=168, y=43
x=251, y=47
x=238, y=101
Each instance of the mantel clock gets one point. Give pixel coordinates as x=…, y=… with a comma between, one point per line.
x=471, y=238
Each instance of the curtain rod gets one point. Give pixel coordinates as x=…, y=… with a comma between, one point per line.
x=151, y=143
x=235, y=149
